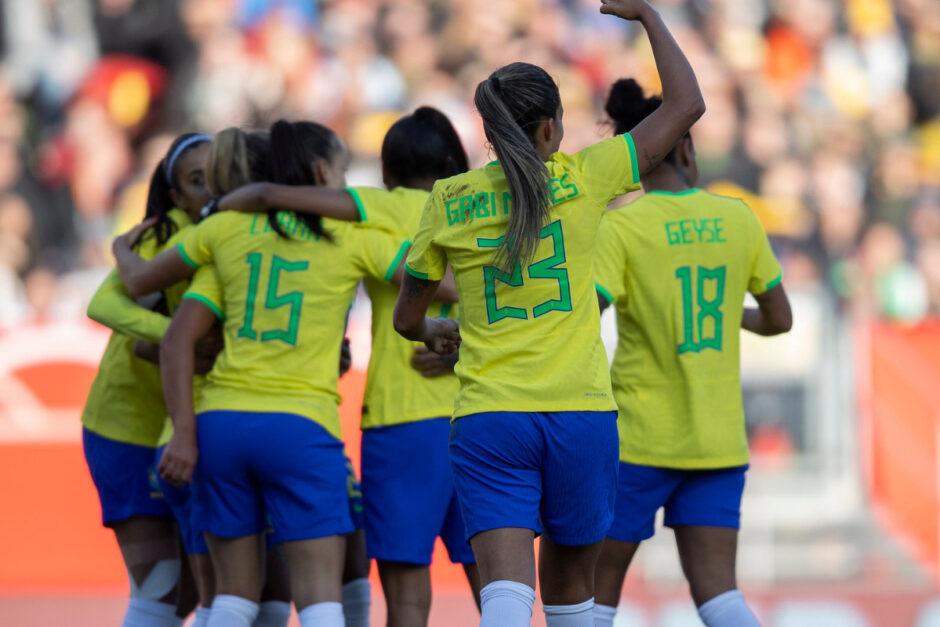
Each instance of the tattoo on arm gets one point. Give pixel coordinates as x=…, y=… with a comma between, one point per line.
x=651, y=160
x=414, y=288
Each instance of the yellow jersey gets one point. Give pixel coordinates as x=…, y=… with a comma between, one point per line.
x=125, y=402
x=677, y=267
x=206, y=289
x=530, y=337
x=285, y=301
x=395, y=392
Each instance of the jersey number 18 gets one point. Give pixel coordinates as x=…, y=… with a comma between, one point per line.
x=708, y=309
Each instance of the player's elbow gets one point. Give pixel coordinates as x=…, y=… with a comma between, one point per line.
x=95, y=310
x=406, y=325
x=134, y=286
x=785, y=322
x=696, y=107
x=780, y=320
x=688, y=110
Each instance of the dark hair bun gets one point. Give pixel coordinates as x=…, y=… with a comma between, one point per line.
x=627, y=106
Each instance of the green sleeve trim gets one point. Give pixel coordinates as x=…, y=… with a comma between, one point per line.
x=397, y=260
x=603, y=292
x=772, y=284
x=208, y=303
x=445, y=310
x=359, y=206
x=189, y=261
x=633, y=162
x=418, y=275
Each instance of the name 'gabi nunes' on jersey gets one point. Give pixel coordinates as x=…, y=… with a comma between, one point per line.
x=484, y=204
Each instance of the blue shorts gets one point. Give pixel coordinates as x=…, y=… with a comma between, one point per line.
x=125, y=477
x=410, y=498
x=256, y=466
x=701, y=498
x=552, y=472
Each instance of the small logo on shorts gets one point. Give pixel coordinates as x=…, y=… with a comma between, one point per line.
x=155, y=491
x=596, y=394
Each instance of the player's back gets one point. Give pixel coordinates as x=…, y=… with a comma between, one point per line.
x=285, y=302
x=678, y=267
x=531, y=336
x=395, y=392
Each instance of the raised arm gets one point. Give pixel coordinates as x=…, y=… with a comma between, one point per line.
x=338, y=204
x=682, y=103
x=411, y=322
x=177, y=349
x=772, y=316
x=113, y=307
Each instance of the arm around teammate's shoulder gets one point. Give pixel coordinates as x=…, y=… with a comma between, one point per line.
x=773, y=314
x=682, y=103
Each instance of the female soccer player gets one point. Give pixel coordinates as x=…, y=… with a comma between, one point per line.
x=268, y=434
x=113, y=307
x=406, y=475
x=677, y=264
x=125, y=413
x=533, y=440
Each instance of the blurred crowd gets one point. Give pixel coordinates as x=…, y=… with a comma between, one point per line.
x=823, y=114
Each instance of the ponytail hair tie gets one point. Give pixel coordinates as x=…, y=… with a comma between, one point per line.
x=170, y=161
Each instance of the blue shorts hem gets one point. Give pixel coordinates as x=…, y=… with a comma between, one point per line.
x=577, y=540
x=231, y=532
x=702, y=522
x=322, y=531
x=627, y=536
x=478, y=529
x=413, y=559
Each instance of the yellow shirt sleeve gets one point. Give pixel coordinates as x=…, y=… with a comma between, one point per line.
x=427, y=260
x=113, y=307
x=375, y=253
x=610, y=258
x=195, y=246
x=766, y=272
x=207, y=289
x=608, y=168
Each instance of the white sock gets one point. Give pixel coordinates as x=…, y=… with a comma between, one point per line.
x=272, y=614
x=229, y=610
x=579, y=615
x=146, y=613
x=202, y=617
x=506, y=604
x=326, y=614
x=604, y=615
x=357, y=601
x=727, y=610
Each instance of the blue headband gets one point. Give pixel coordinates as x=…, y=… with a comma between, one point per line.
x=170, y=161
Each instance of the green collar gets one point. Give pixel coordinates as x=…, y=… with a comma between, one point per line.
x=684, y=192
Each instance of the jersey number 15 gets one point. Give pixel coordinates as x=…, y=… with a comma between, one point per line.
x=272, y=299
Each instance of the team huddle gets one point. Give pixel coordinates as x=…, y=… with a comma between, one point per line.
x=491, y=415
